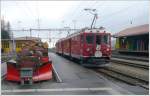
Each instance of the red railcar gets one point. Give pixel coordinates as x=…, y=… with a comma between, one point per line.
x=30, y=66
x=91, y=46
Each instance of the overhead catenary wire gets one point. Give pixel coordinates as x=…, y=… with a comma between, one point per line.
x=29, y=9
x=90, y=5
x=25, y=9
x=77, y=10
x=116, y=13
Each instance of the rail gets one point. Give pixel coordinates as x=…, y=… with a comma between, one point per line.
x=130, y=71
x=124, y=77
x=146, y=59
x=138, y=64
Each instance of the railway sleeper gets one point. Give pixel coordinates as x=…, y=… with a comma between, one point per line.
x=121, y=70
x=137, y=64
x=130, y=58
x=125, y=78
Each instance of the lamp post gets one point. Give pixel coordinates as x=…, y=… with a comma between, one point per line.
x=13, y=44
x=93, y=12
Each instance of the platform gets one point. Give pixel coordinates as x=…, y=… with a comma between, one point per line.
x=76, y=80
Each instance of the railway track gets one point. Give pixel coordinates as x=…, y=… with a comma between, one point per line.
x=129, y=71
x=134, y=63
x=125, y=78
x=138, y=58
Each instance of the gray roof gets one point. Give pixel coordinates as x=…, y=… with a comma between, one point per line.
x=137, y=30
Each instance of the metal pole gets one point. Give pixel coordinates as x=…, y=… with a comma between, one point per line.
x=38, y=25
x=49, y=39
x=14, y=46
x=30, y=33
x=93, y=20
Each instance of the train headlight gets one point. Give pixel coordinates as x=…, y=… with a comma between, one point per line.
x=107, y=49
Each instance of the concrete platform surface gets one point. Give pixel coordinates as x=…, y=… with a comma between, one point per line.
x=76, y=80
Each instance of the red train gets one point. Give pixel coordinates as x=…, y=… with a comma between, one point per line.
x=32, y=65
x=92, y=47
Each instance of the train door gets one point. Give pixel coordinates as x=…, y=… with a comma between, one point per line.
x=70, y=47
x=98, y=45
x=89, y=44
x=105, y=44
x=81, y=44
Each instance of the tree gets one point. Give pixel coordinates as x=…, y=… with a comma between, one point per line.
x=5, y=29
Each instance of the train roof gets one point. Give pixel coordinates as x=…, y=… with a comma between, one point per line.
x=87, y=30
x=84, y=30
x=137, y=30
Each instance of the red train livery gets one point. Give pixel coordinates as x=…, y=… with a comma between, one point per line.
x=92, y=47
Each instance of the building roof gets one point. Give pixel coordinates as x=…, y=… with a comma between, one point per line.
x=25, y=38
x=137, y=30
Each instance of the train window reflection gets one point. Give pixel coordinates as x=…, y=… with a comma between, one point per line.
x=89, y=39
x=106, y=39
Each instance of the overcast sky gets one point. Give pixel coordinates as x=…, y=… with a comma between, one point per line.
x=113, y=15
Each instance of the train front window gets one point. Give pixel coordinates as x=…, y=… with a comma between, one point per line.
x=106, y=39
x=98, y=39
x=90, y=39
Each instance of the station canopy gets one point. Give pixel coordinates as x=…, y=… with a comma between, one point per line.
x=137, y=30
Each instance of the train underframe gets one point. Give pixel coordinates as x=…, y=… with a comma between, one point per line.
x=89, y=61
x=94, y=61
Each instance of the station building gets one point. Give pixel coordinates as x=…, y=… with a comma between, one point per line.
x=7, y=44
x=133, y=40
